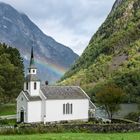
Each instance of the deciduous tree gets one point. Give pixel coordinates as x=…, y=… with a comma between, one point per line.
x=110, y=98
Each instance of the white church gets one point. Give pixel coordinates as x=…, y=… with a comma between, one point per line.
x=37, y=103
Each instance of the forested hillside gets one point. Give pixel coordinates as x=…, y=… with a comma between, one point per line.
x=11, y=73
x=113, y=53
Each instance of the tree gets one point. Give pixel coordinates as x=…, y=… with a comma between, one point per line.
x=1, y=95
x=110, y=98
x=11, y=73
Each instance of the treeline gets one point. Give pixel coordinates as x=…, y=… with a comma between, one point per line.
x=11, y=73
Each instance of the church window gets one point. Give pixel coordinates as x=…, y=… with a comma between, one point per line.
x=67, y=108
x=27, y=85
x=33, y=71
x=34, y=85
x=29, y=71
x=71, y=108
x=64, y=110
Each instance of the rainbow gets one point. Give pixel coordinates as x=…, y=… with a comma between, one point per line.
x=55, y=68
x=52, y=67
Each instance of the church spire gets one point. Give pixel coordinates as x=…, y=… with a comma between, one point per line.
x=32, y=82
x=32, y=62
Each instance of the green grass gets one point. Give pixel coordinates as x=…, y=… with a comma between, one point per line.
x=74, y=136
x=7, y=109
x=8, y=122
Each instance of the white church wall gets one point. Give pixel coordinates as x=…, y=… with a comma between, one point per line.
x=43, y=107
x=24, y=86
x=34, y=111
x=54, y=110
x=21, y=105
x=32, y=91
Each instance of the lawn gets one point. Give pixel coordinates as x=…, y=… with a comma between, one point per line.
x=7, y=109
x=74, y=136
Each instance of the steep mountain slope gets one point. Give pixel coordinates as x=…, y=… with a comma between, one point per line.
x=16, y=29
x=113, y=53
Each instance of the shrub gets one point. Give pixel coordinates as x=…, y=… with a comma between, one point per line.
x=7, y=122
x=134, y=116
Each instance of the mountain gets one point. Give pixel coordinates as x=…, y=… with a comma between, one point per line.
x=113, y=53
x=17, y=30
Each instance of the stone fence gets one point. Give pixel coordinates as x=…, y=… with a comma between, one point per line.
x=101, y=128
x=90, y=128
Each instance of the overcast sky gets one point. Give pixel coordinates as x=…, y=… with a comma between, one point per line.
x=70, y=22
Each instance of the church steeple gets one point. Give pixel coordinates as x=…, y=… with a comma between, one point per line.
x=32, y=82
x=32, y=68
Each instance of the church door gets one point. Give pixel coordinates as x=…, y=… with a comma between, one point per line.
x=22, y=116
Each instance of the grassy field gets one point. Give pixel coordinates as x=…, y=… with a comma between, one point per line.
x=74, y=136
x=7, y=109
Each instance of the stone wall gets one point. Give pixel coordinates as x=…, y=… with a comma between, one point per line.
x=105, y=127
x=90, y=128
x=97, y=128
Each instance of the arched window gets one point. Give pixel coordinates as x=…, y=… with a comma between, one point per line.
x=27, y=85
x=67, y=108
x=71, y=108
x=64, y=108
x=34, y=85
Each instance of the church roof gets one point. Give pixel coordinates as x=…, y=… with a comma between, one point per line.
x=91, y=105
x=63, y=92
x=32, y=98
x=32, y=77
x=32, y=57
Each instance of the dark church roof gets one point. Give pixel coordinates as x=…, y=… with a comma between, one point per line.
x=63, y=92
x=32, y=98
x=32, y=77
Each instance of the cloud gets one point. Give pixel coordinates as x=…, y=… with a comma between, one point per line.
x=70, y=22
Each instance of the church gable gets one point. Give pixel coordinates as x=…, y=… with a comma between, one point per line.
x=22, y=94
x=22, y=101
